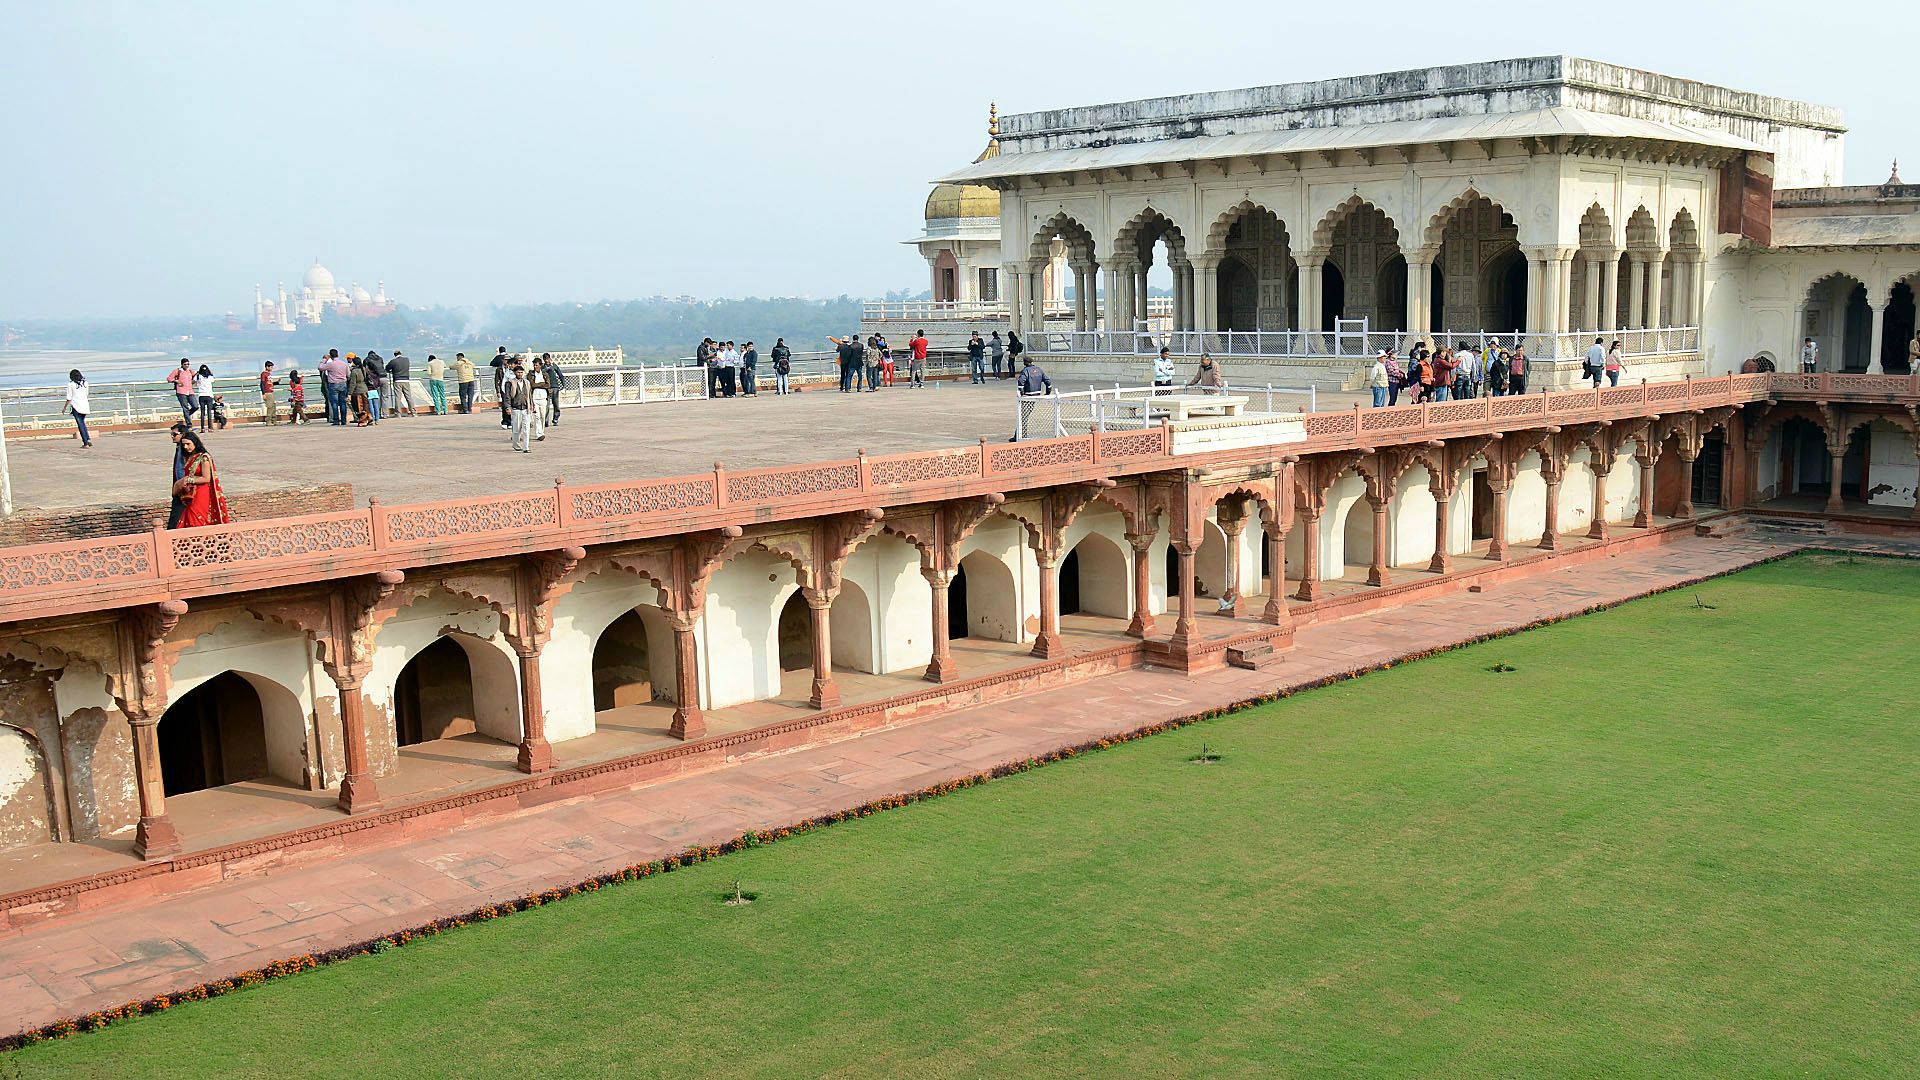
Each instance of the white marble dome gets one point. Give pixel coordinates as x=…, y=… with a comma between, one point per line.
x=318, y=278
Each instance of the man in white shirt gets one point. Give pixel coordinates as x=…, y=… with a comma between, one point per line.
x=1810, y=356
x=1595, y=366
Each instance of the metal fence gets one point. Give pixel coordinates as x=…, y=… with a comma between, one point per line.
x=1131, y=408
x=43, y=407
x=1355, y=344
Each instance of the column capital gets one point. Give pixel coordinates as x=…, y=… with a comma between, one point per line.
x=1144, y=541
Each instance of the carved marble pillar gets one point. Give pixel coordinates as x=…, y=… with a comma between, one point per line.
x=825, y=694
x=1142, y=544
x=1879, y=340
x=1018, y=310
x=1637, y=290
x=1047, y=642
x=941, y=667
x=1656, y=266
x=1609, y=292
x=689, y=720
x=1590, y=306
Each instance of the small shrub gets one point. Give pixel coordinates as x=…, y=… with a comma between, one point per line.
x=1502, y=668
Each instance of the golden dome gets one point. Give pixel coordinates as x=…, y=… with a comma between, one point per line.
x=970, y=200
x=962, y=201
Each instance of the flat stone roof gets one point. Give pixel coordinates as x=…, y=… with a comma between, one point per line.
x=1493, y=87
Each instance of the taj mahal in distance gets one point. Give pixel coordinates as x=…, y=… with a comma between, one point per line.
x=710, y=654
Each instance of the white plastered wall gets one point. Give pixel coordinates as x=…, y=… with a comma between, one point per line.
x=475, y=627
x=1576, y=492
x=1410, y=531
x=1004, y=540
x=1347, y=496
x=1623, y=484
x=898, y=634
x=277, y=662
x=566, y=661
x=739, y=630
x=1892, y=472
x=1527, y=501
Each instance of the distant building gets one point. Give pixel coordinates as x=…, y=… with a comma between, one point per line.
x=318, y=300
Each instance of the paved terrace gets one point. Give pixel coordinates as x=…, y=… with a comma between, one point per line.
x=429, y=458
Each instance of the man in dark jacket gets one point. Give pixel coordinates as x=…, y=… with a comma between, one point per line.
x=400, y=384
x=851, y=357
x=556, y=382
x=500, y=373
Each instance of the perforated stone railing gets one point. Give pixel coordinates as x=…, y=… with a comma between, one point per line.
x=80, y=575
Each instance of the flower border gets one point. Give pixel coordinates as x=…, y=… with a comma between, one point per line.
x=99, y=1019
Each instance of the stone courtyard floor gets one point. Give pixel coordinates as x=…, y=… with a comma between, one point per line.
x=430, y=458
x=83, y=962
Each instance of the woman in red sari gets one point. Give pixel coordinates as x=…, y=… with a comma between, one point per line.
x=199, y=488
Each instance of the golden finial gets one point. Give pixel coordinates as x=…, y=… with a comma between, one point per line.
x=993, y=119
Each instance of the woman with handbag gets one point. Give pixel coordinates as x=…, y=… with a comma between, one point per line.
x=198, y=489
x=77, y=405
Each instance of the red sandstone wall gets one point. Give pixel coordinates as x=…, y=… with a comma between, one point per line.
x=49, y=526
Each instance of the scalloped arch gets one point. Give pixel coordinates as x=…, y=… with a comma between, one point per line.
x=1353, y=204
x=1437, y=224
x=1079, y=238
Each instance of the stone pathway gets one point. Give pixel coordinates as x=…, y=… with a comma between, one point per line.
x=74, y=965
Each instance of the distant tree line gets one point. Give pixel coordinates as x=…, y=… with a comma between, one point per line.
x=651, y=329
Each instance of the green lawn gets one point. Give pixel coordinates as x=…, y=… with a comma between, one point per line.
x=1674, y=841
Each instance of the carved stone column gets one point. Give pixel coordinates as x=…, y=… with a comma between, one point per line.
x=1233, y=525
x=1276, y=611
x=1597, y=529
x=1497, y=483
x=1643, y=516
x=1877, y=342
x=1834, y=477
x=1183, y=624
x=143, y=699
x=536, y=754
x=1442, y=560
x=348, y=658
x=825, y=694
x=1310, y=587
x=1656, y=264
x=940, y=668
x=689, y=720
x=536, y=586
x=1142, y=624
x=1552, y=473
x=1047, y=642
x=1688, y=455
x=1377, y=567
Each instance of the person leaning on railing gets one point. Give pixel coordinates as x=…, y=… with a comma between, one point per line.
x=1209, y=378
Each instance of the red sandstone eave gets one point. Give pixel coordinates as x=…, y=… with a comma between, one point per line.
x=48, y=580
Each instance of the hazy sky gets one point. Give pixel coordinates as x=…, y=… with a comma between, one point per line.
x=164, y=157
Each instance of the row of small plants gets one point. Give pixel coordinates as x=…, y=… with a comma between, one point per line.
x=95, y=1021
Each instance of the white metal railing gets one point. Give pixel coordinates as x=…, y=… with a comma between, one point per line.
x=1131, y=408
x=1323, y=344
x=42, y=407
x=1158, y=307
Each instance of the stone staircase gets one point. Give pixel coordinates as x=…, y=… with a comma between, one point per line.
x=1253, y=656
x=1789, y=526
